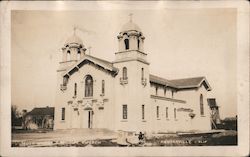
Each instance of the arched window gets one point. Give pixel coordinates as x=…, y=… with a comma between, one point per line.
x=126, y=42
x=88, y=86
x=75, y=90
x=142, y=73
x=138, y=44
x=103, y=87
x=65, y=80
x=201, y=105
x=68, y=55
x=124, y=73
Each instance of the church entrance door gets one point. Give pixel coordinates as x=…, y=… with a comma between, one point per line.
x=90, y=119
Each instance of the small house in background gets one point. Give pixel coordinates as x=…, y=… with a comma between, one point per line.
x=215, y=115
x=39, y=118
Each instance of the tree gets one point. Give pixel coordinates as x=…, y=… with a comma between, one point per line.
x=14, y=115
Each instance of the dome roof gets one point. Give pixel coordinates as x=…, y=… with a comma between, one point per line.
x=74, y=39
x=130, y=26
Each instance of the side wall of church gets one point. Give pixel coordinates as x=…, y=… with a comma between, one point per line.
x=192, y=97
x=167, y=119
x=164, y=109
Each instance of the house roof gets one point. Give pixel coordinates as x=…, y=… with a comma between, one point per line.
x=42, y=111
x=181, y=83
x=103, y=63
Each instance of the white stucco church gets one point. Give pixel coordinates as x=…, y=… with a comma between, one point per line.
x=122, y=94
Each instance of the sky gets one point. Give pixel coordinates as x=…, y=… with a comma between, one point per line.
x=180, y=43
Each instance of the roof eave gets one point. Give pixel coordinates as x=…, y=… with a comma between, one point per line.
x=208, y=86
x=191, y=87
x=164, y=84
x=106, y=67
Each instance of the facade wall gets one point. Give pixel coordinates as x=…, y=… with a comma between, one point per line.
x=79, y=118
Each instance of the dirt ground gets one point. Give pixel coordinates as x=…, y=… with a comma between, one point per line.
x=103, y=137
x=48, y=137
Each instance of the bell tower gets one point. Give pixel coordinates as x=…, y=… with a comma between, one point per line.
x=72, y=51
x=131, y=42
x=132, y=88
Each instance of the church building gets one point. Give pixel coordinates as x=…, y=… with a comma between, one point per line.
x=123, y=94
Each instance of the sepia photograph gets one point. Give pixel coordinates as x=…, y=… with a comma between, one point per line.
x=131, y=77
x=110, y=88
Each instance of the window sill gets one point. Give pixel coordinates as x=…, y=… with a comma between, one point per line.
x=62, y=121
x=88, y=97
x=158, y=119
x=101, y=108
x=167, y=119
x=203, y=116
x=102, y=94
x=176, y=119
x=144, y=121
x=124, y=120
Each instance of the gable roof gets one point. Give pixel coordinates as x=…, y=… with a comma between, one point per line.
x=100, y=62
x=185, y=83
x=191, y=82
x=42, y=111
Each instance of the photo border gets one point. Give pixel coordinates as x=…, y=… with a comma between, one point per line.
x=242, y=80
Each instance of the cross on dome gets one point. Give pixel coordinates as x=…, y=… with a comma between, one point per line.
x=130, y=26
x=130, y=17
x=74, y=39
x=74, y=29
